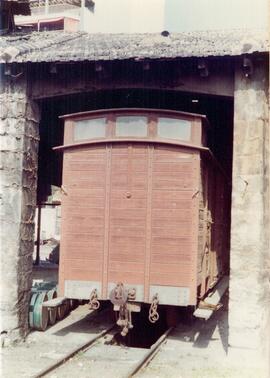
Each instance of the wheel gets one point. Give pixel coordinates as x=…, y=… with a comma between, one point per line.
x=60, y=311
x=41, y=314
x=52, y=310
x=67, y=307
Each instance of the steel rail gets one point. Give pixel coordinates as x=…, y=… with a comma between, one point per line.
x=75, y=351
x=150, y=354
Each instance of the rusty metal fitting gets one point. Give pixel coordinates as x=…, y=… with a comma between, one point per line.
x=153, y=314
x=94, y=304
x=132, y=294
x=119, y=295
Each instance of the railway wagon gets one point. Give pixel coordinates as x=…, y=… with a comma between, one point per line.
x=144, y=210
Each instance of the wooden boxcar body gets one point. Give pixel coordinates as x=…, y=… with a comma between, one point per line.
x=144, y=203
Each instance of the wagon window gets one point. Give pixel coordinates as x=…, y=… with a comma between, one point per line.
x=173, y=128
x=131, y=126
x=90, y=129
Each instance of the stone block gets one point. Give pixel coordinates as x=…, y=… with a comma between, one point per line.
x=249, y=219
x=28, y=215
x=11, y=142
x=247, y=183
x=25, y=280
x=9, y=239
x=32, y=112
x=9, y=290
x=11, y=178
x=246, y=278
x=27, y=230
x=245, y=310
x=12, y=109
x=12, y=126
x=248, y=166
x=10, y=160
x=32, y=129
x=26, y=246
x=11, y=211
x=19, y=129
x=246, y=130
x=242, y=337
x=29, y=196
x=250, y=105
x=8, y=322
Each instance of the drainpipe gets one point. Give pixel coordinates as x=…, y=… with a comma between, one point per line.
x=46, y=6
x=82, y=15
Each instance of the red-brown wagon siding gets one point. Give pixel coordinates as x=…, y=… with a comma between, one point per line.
x=132, y=213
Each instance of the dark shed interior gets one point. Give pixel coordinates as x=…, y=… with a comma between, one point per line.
x=219, y=111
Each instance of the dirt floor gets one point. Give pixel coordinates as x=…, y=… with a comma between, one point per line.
x=199, y=350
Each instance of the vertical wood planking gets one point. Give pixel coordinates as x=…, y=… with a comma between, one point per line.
x=148, y=224
x=195, y=228
x=107, y=220
x=62, y=237
x=205, y=217
x=128, y=208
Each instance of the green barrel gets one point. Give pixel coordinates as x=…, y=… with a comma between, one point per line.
x=52, y=310
x=31, y=308
x=40, y=313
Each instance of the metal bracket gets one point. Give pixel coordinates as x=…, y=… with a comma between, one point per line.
x=94, y=304
x=119, y=295
x=153, y=314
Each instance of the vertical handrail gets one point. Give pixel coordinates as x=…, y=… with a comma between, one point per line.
x=37, y=261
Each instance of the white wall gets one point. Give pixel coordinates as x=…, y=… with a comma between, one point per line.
x=188, y=15
x=50, y=218
x=154, y=16
x=125, y=16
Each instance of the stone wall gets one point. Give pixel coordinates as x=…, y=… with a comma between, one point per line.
x=249, y=306
x=19, y=152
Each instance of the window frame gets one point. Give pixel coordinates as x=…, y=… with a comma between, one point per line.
x=90, y=119
x=152, y=116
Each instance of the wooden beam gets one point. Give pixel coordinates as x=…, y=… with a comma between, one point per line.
x=43, y=86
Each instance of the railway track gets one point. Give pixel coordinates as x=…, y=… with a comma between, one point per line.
x=101, y=357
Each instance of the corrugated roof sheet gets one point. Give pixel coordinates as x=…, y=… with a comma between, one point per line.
x=41, y=3
x=65, y=47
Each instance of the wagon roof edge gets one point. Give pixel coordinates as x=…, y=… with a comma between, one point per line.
x=134, y=110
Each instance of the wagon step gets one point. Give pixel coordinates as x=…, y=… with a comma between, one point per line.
x=211, y=302
x=54, y=302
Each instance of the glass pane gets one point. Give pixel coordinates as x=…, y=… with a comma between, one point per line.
x=131, y=126
x=90, y=129
x=173, y=128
